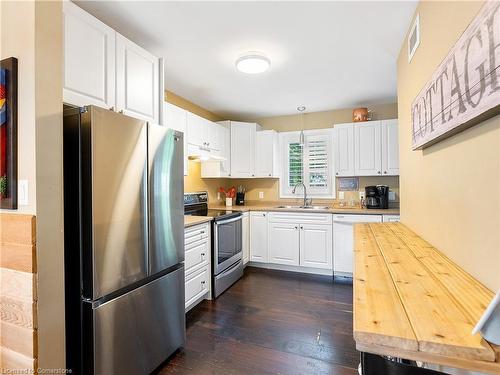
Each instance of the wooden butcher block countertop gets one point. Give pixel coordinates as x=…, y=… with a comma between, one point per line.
x=411, y=301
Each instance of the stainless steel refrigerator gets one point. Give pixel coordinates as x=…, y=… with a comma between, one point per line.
x=124, y=242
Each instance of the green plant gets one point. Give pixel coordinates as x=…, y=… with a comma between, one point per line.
x=3, y=185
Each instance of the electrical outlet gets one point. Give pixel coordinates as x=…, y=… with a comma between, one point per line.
x=22, y=192
x=362, y=195
x=341, y=195
x=392, y=196
x=261, y=195
x=218, y=195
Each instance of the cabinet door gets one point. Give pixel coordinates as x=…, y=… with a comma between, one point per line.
x=258, y=237
x=316, y=246
x=242, y=149
x=89, y=59
x=344, y=149
x=195, y=129
x=390, y=148
x=284, y=243
x=225, y=150
x=343, y=239
x=368, y=149
x=176, y=118
x=212, y=136
x=245, y=234
x=137, y=81
x=264, y=153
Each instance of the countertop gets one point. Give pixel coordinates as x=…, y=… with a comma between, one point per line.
x=189, y=221
x=334, y=209
x=411, y=301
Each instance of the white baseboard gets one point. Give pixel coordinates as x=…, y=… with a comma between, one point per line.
x=282, y=267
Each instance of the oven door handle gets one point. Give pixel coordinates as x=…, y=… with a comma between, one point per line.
x=227, y=221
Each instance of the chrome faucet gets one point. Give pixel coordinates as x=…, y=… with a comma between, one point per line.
x=305, y=192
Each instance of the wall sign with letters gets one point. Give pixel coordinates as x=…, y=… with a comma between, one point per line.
x=465, y=88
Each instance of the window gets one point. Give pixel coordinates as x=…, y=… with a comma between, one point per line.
x=311, y=163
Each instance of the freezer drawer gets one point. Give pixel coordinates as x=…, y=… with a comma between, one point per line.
x=136, y=332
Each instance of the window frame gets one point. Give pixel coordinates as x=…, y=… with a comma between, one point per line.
x=285, y=138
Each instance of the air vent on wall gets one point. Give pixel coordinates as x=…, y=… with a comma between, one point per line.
x=414, y=38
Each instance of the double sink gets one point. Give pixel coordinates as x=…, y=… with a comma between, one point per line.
x=305, y=207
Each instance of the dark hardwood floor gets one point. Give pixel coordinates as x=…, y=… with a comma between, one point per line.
x=271, y=322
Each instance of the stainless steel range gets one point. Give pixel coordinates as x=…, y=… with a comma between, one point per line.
x=227, y=264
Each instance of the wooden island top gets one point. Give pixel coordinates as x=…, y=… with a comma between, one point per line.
x=411, y=301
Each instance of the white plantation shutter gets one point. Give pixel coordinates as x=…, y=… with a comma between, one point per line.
x=311, y=163
x=317, y=148
x=295, y=163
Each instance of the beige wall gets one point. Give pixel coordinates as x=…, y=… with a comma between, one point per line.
x=181, y=102
x=450, y=191
x=326, y=119
x=32, y=32
x=49, y=182
x=17, y=39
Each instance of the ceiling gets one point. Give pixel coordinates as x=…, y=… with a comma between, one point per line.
x=324, y=55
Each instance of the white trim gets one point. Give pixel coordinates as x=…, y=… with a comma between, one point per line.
x=283, y=267
x=415, y=28
x=288, y=137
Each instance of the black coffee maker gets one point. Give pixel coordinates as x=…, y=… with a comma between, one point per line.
x=377, y=196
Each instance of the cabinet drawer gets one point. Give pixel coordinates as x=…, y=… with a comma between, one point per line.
x=197, y=285
x=196, y=254
x=196, y=233
x=299, y=217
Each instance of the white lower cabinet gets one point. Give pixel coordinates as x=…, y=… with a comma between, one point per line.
x=390, y=218
x=245, y=237
x=197, y=264
x=300, y=239
x=343, y=240
x=197, y=286
x=316, y=246
x=284, y=243
x=258, y=237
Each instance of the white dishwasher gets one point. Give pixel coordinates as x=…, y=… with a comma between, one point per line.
x=343, y=240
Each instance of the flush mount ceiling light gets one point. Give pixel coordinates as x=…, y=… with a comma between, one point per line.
x=253, y=63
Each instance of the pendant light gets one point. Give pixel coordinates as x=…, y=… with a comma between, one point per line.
x=301, y=110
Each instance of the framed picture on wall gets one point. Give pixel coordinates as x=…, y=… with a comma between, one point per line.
x=8, y=133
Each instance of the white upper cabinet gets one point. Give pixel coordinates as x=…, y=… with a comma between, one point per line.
x=103, y=68
x=266, y=154
x=344, y=150
x=316, y=246
x=89, y=59
x=284, y=243
x=390, y=148
x=203, y=133
x=176, y=118
x=243, y=149
x=225, y=150
x=137, y=81
x=368, y=149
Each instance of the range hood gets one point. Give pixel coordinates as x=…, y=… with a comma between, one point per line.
x=199, y=153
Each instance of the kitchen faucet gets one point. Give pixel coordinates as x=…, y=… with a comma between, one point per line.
x=305, y=192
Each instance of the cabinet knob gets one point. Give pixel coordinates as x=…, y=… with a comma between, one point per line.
x=253, y=175
x=112, y=108
x=120, y=111
x=203, y=282
x=296, y=227
x=264, y=215
x=378, y=172
x=269, y=174
x=301, y=227
x=337, y=173
x=385, y=172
